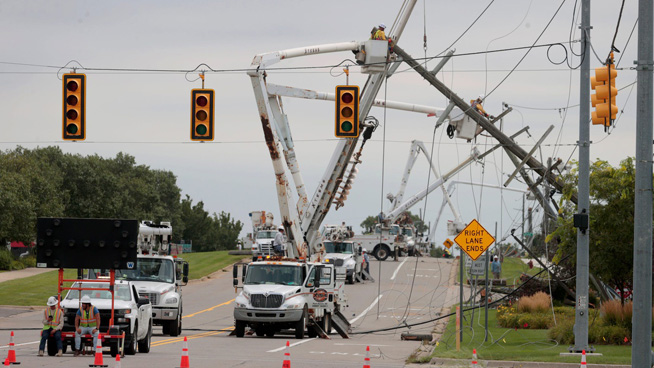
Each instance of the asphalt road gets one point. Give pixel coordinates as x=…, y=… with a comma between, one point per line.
x=208, y=321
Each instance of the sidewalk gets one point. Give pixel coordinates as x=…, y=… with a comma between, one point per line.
x=26, y=272
x=442, y=362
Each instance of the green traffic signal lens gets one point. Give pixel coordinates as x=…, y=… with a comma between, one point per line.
x=71, y=129
x=201, y=129
x=201, y=115
x=346, y=126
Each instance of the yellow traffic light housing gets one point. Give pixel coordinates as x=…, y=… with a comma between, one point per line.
x=604, y=100
x=202, y=113
x=74, y=107
x=347, y=112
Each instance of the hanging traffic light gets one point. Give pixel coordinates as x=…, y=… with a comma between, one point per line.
x=347, y=111
x=202, y=101
x=74, y=96
x=604, y=100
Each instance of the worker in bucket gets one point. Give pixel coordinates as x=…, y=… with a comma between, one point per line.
x=279, y=241
x=476, y=104
x=87, y=321
x=52, y=323
x=379, y=34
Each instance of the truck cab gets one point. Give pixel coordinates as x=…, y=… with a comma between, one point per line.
x=288, y=294
x=263, y=243
x=343, y=254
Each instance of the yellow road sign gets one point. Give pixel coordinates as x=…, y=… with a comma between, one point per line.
x=474, y=240
x=448, y=243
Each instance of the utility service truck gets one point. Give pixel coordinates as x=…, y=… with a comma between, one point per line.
x=342, y=252
x=159, y=276
x=263, y=234
x=287, y=294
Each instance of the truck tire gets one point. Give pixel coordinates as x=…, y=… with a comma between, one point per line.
x=301, y=325
x=381, y=252
x=239, y=328
x=130, y=343
x=349, y=279
x=144, y=345
x=175, y=327
x=326, y=323
x=270, y=332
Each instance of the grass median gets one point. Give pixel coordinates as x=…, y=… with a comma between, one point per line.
x=35, y=290
x=512, y=268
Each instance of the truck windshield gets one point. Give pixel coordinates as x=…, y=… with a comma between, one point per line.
x=407, y=232
x=274, y=274
x=333, y=247
x=121, y=292
x=266, y=234
x=155, y=269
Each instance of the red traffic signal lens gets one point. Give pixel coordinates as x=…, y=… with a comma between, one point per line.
x=72, y=100
x=347, y=97
x=72, y=86
x=347, y=112
x=72, y=114
x=346, y=126
x=201, y=129
x=71, y=129
x=201, y=115
x=201, y=101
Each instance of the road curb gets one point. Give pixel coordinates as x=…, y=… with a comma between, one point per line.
x=516, y=364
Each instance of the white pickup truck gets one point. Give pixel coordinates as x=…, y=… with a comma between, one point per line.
x=132, y=315
x=288, y=294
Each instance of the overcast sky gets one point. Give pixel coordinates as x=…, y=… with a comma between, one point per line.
x=146, y=114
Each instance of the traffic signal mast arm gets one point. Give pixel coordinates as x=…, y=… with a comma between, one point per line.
x=482, y=121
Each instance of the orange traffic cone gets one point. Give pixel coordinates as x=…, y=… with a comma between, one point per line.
x=287, y=356
x=474, y=358
x=11, y=355
x=366, y=360
x=583, y=359
x=117, y=361
x=184, y=363
x=6, y=363
x=98, y=357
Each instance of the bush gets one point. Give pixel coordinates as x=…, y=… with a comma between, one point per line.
x=563, y=331
x=29, y=261
x=17, y=265
x=615, y=314
x=539, y=302
x=6, y=259
x=509, y=317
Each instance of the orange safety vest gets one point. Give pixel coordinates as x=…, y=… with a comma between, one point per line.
x=89, y=321
x=55, y=320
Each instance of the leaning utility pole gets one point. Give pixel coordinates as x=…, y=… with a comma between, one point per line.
x=641, y=353
x=583, y=191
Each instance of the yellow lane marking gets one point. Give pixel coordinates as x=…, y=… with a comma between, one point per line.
x=207, y=310
x=191, y=337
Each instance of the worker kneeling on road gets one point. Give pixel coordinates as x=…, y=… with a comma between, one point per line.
x=87, y=321
x=52, y=324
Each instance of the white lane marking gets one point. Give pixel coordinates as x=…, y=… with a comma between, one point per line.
x=290, y=346
x=367, y=309
x=25, y=343
x=397, y=269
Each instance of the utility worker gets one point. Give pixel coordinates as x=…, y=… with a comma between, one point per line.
x=279, y=241
x=52, y=324
x=379, y=34
x=87, y=321
x=476, y=104
x=496, y=268
x=366, y=263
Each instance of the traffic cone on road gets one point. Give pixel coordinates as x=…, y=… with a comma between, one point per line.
x=7, y=363
x=98, y=357
x=11, y=355
x=366, y=360
x=117, y=365
x=583, y=359
x=287, y=358
x=184, y=363
x=474, y=358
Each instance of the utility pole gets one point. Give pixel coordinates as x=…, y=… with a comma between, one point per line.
x=583, y=197
x=641, y=353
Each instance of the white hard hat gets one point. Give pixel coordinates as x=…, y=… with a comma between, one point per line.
x=382, y=25
x=86, y=299
x=281, y=228
x=481, y=97
x=364, y=250
x=495, y=257
x=52, y=301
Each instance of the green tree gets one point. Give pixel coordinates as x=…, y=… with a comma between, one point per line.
x=368, y=224
x=611, y=222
